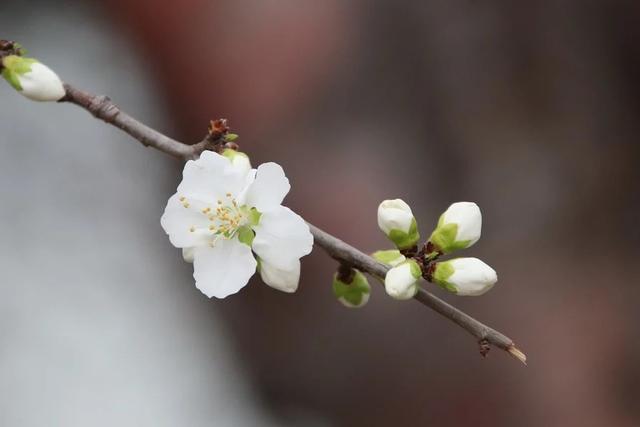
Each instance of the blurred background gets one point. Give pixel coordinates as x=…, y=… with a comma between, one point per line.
x=529, y=109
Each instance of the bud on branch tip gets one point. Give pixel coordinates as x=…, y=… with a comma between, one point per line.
x=401, y=282
x=464, y=276
x=459, y=227
x=28, y=76
x=396, y=221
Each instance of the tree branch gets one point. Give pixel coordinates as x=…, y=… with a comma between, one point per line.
x=102, y=108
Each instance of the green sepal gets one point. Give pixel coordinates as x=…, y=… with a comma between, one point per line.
x=15, y=66
x=12, y=79
x=404, y=240
x=230, y=137
x=415, y=268
x=391, y=257
x=442, y=272
x=254, y=216
x=246, y=235
x=444, y=237
x=230, y=153
x=354, y=293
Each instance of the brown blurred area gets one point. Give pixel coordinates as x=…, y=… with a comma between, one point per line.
x=529, y=109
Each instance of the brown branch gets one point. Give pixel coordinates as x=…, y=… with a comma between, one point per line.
x=102, y=108
x=344, y=252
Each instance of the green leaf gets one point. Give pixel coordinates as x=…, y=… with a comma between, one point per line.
x=230, y=137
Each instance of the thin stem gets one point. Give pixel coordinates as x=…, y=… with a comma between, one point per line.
x=102, y=108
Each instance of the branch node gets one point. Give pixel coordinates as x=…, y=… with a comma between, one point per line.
x=346, y=273
x=484, y=347
x=102, y=108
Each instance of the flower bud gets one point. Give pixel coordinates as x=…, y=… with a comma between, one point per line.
x=285, y=280
x=391, y=257
x=187, y=254
x=464, y=276
x=32, y=79
x=396, y=220
x=355, y=294
x=238, y=159
x=401, y=282
x=458, y=228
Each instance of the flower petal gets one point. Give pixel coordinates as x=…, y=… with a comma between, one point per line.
x=285, y=280
x=211, y=177
x=282, y=236
x=178, y=221
x=223, y=269
x=241, y=198
x=41, y=84
x=269, y=188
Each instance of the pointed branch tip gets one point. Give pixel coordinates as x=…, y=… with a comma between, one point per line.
x=515, y=352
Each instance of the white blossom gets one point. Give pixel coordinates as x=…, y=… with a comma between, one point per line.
x=401, y=282
x=459, y=227
x=32, y=79
x=396, y=220
x=465, y=276
x=223, y=213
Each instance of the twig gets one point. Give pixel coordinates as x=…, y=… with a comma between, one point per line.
x=102, y=108
x=344, y=252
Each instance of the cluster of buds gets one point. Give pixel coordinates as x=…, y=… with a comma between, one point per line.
x=28, y=76
x=459, y=227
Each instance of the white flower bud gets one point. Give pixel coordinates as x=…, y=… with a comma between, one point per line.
x=32, y=79
x=187, y=254
x=464, y=276
x=396, y=220
x=401, y=282
x=355, y=294
x=238, y=159
x=391, y=257
x=459, y=227
x=285, y=280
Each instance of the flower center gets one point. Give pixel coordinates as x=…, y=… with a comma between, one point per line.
x=225, y=218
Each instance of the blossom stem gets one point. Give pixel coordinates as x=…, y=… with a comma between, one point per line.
x=102, y=108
